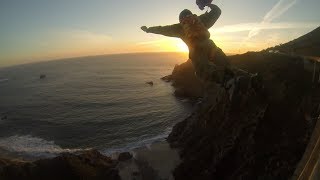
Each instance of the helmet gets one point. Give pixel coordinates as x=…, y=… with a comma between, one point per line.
x=184, y=13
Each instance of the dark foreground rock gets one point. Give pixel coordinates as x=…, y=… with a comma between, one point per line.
x=89, y=165
x=259, y=134
x=124, y=156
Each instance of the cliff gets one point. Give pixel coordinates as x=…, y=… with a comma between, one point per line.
x=259, y=134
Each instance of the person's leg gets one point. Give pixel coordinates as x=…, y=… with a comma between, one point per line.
x=218, y=57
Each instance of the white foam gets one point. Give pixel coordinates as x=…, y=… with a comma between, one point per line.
x=142, y=143
x=37, y=147
x=149, y=146
x=32, y=146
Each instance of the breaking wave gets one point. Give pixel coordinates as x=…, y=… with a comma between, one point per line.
x=142, y=143
x=33, y=146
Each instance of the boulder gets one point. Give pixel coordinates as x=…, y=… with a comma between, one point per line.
x=150, y=83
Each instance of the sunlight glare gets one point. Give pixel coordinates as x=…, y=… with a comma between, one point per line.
x=181, y=46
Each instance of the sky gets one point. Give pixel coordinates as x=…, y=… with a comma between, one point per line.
x=36, y=30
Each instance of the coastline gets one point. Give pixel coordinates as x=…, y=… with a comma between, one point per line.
x=156, y=161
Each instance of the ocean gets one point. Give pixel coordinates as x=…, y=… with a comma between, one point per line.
x=100, y=102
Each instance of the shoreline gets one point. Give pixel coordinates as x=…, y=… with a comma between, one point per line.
x=156, y=161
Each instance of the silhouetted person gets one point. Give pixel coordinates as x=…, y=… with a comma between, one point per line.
x=209, y=61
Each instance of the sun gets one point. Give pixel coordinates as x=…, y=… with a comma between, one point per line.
x=181, y=46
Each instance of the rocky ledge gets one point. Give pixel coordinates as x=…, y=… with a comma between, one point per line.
x=259, y=134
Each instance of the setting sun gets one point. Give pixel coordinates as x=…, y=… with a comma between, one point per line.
x=181, y=46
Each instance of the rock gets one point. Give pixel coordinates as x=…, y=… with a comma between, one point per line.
x=185, y=81
x=124, y=156
x=42, y=76
x=88, y=165
x=167, y=78
x=179, y=93
x=150, y=83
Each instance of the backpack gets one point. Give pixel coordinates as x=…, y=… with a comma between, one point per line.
x=194, y=29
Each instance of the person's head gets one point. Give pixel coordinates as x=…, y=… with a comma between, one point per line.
x=185, y=13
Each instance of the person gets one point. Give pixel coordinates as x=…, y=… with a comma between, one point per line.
x=210, y=62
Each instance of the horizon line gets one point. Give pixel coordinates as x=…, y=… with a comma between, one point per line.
x=97, y=55
x=88, y=56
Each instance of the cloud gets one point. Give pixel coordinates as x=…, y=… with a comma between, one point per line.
x=265, y=26
x=281, y=7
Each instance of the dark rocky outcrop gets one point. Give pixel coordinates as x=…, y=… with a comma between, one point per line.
x=42, y=76
x=88, y=165
x=149, y=83
x=124, y=156
x=259, y=134
x=185, y=81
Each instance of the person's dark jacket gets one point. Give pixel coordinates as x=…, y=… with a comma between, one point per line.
x=176, y=30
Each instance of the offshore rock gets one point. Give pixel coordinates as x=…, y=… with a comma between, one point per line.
x=149, y=83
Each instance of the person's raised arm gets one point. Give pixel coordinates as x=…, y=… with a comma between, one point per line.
x=208, y=19
x=174, y=30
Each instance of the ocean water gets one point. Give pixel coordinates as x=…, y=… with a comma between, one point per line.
x=100, y=102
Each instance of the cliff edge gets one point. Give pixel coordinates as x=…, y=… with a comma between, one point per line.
x=257, y=135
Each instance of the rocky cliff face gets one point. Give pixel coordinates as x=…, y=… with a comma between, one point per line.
x=259, y=134
x=184, y=80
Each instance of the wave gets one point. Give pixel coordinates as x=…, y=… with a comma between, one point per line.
x=29, y=146
x=135, y=145
x=33, y=146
